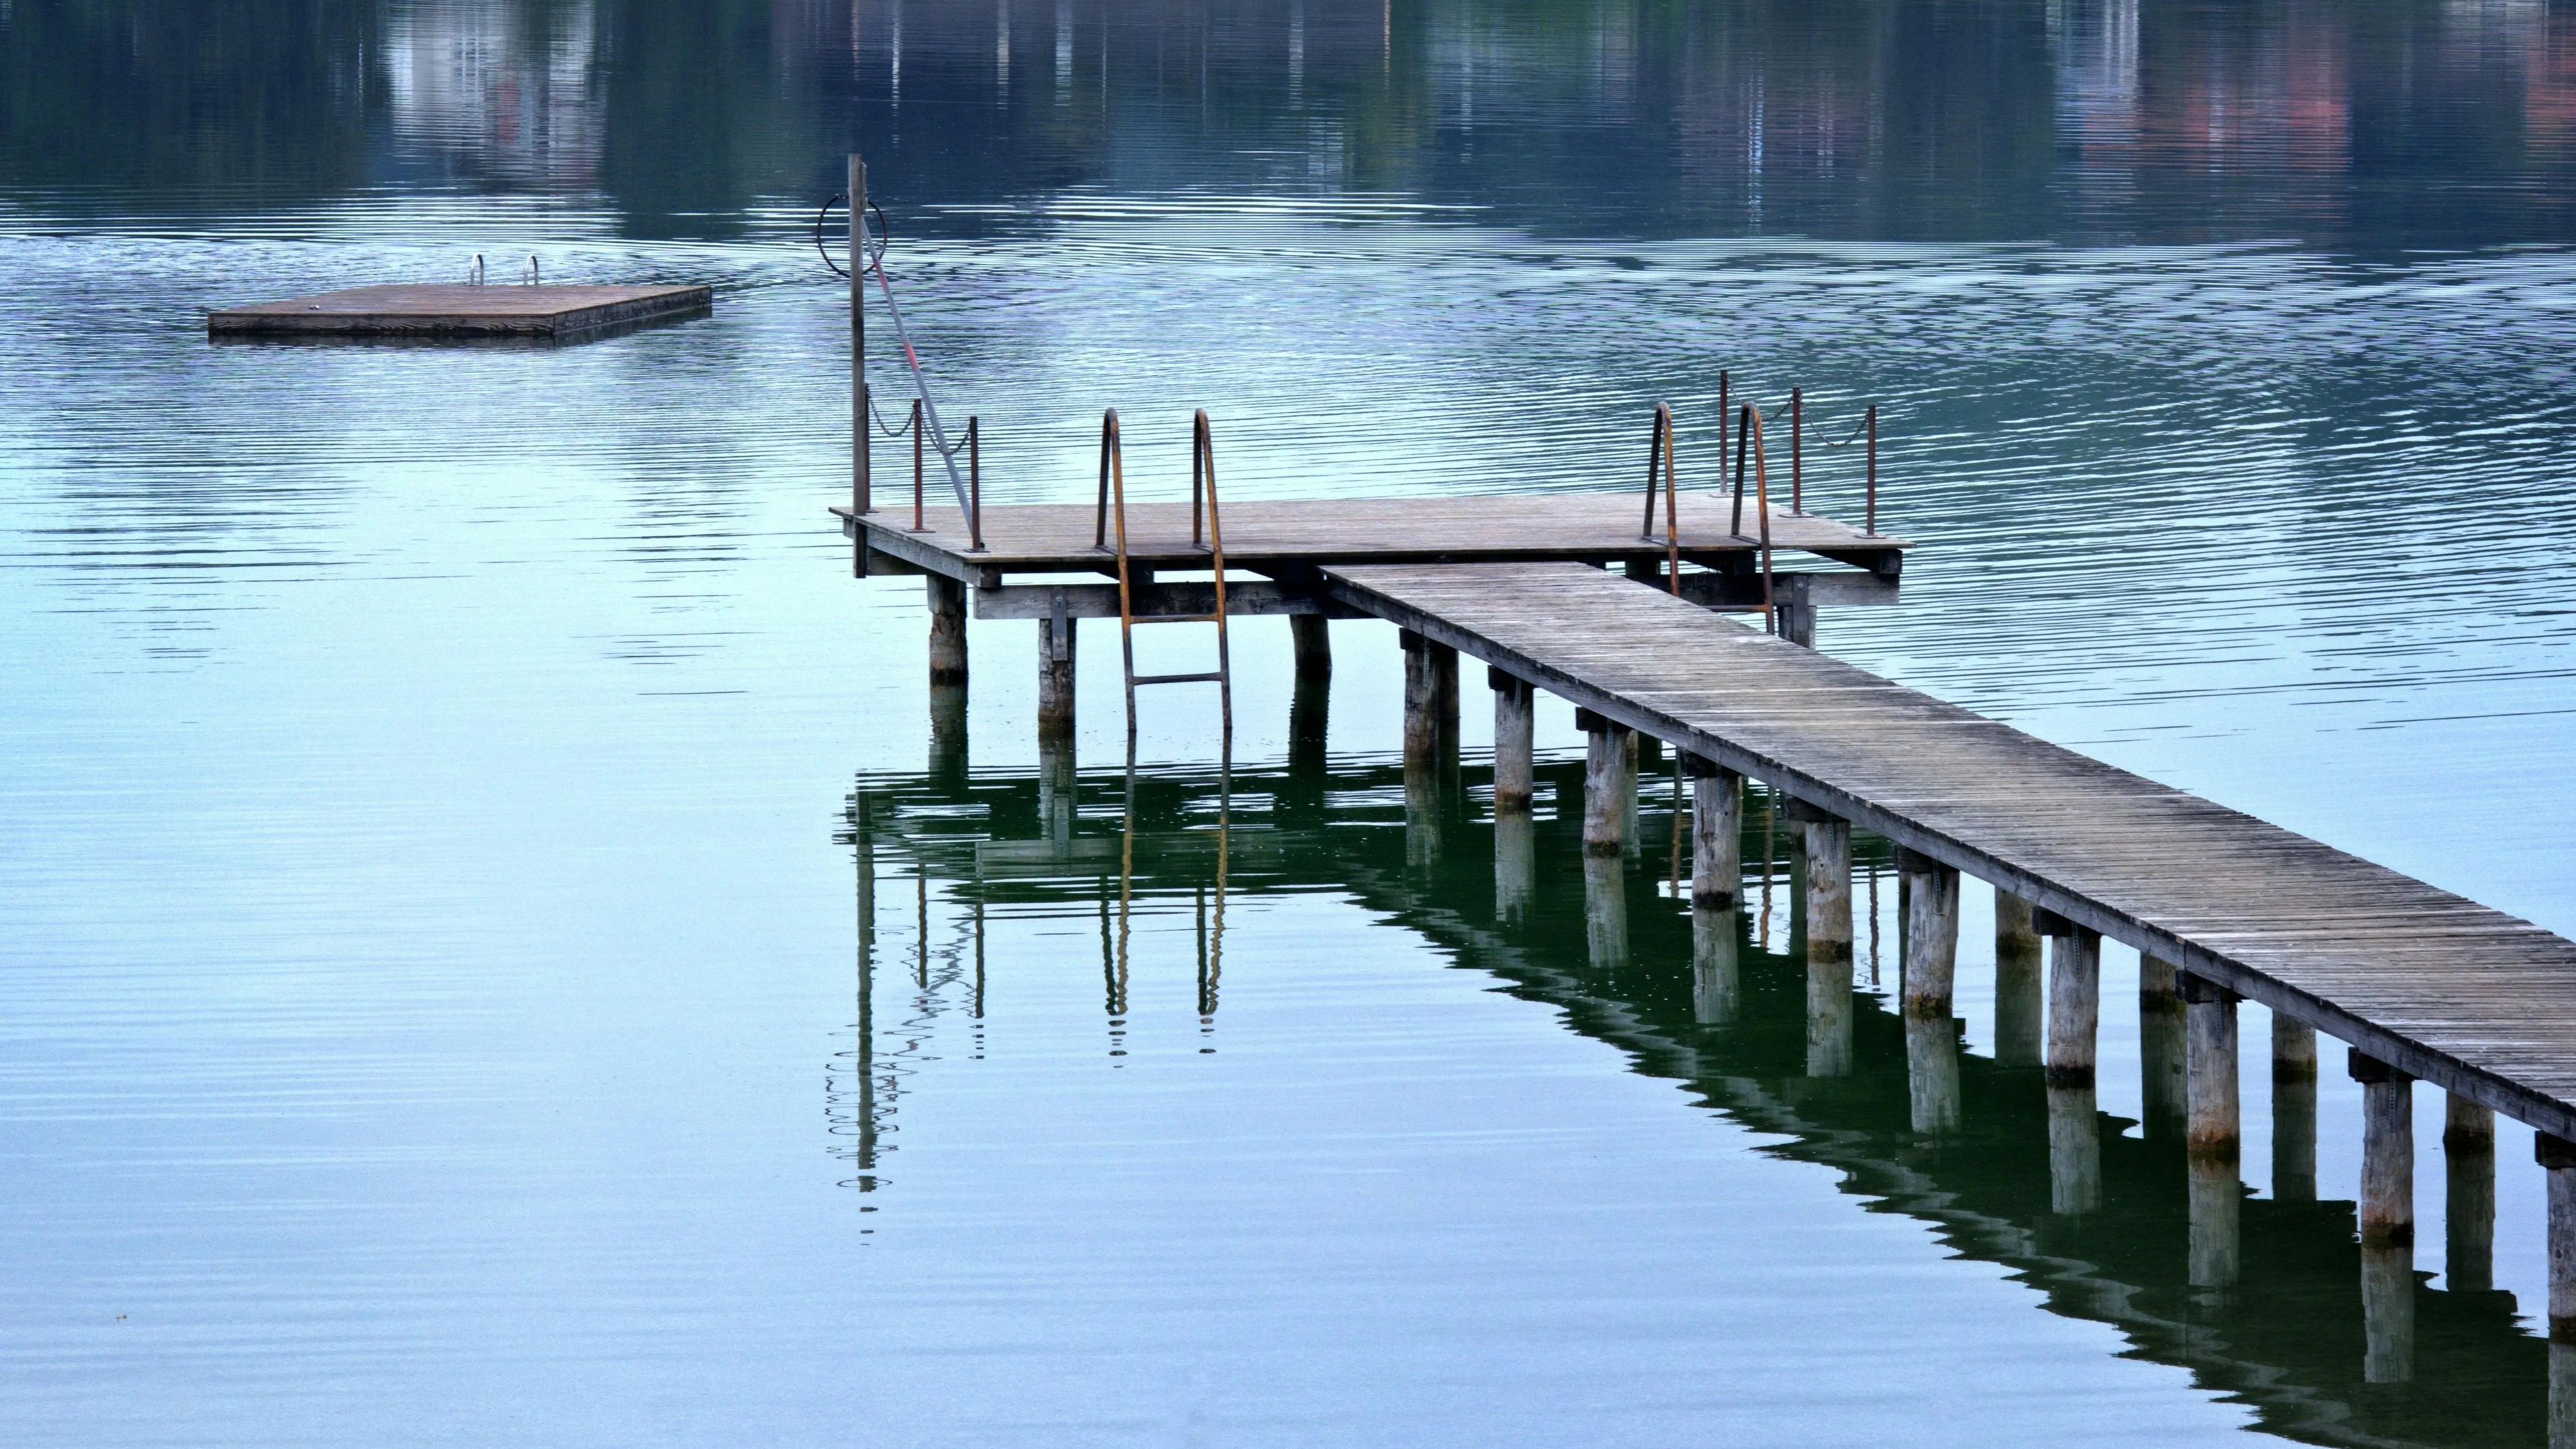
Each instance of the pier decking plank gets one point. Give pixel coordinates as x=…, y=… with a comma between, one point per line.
x=460, y=310
x=1057, y=538
x=2438, y=986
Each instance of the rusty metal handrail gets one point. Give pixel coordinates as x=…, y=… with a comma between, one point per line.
x=1751, y=425
x=974, y=485
x=917, y=526
x=1659, y=457
x=1203, y=507
x=1203, y=465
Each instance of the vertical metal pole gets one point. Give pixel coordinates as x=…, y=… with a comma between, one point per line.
x=1797, y=451
x=1672, y=513
x=974, y=487
x=1869, y=518
x=859, y=427
x=916, y=467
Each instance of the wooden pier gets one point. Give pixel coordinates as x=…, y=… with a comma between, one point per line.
x=462, y=310
x=1608, y=601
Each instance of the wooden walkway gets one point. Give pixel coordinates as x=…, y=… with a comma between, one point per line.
x=2437, y=986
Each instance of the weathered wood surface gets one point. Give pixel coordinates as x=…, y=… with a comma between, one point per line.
x=1451, y=528
x=2440, y=987
x=461, y=310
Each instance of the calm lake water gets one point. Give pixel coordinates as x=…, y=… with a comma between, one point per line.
x=435, y=783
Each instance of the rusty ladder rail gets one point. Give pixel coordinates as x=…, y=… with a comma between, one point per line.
x=1203, y=507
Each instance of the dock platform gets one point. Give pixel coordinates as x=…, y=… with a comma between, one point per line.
x=464, y=310
x=2437, y=986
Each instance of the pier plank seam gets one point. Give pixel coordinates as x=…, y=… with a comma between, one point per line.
x=2436, y=985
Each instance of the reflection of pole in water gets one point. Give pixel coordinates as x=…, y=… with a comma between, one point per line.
x=1872, y=874
x=1716, y=987
x=1515, y=866
x=1932, y=1073
x=2017, y=983
x=1058, y=790
x=2074, y=1148
x=921, y=926
x=977, y=1006
x=867, y=873
x=1605, y=911
x=1770, y=853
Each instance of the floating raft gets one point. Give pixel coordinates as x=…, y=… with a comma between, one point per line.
x=461, y=310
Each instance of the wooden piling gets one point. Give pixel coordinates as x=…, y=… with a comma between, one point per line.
x=1055, y=679
x=2387, y=1220
x=2557, y=1158
x=2294, y=1110
x=947, y=600
x=2018, y=1000
x=1631, y=746
x=1515, y=733
x=1057, y=796
x=1717, y=832
x=1430, y=701
x=1605, y=762
x=1310, y=635
x=2074, y=1006
x=2160, y=1069
x=1829, y=944
x=2469, y=1196
x=2387, y=1150
x=1931, y=948
x=2211, y=1134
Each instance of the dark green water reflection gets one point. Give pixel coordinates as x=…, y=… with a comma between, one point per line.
x=1615, y=952
x=2353, y=126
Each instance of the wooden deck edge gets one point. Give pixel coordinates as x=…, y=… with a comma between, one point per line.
x=249, y=322
x=2524, y=1104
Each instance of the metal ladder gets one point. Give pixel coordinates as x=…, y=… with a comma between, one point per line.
x=1203, y=510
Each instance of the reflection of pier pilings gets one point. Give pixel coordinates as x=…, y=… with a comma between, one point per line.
x=2294, y=1110
x=1515, y=866
x=1605, y=911
x=1717, y=989
x=1932, y=1073
x=2074, y=1148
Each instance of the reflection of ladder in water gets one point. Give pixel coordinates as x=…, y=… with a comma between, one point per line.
x=1113, y=495
x=1211, y=935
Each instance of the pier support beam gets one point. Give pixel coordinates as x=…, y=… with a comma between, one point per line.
x=1312, y=638
x=2160, y=1075
x=1717, y=833
x=1829, y=941
x=947, y=599
x=2017, y=983
x=1055, y=680
x=1430, y=703
x=2294, y=1110
x=2074, y=1005
x=2387, y=1220
x=2469, y=1198
x=2557, y=1158
x=1515, y=735
x=1931, y=892
x=1605, y=775
x=2212, y=1136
